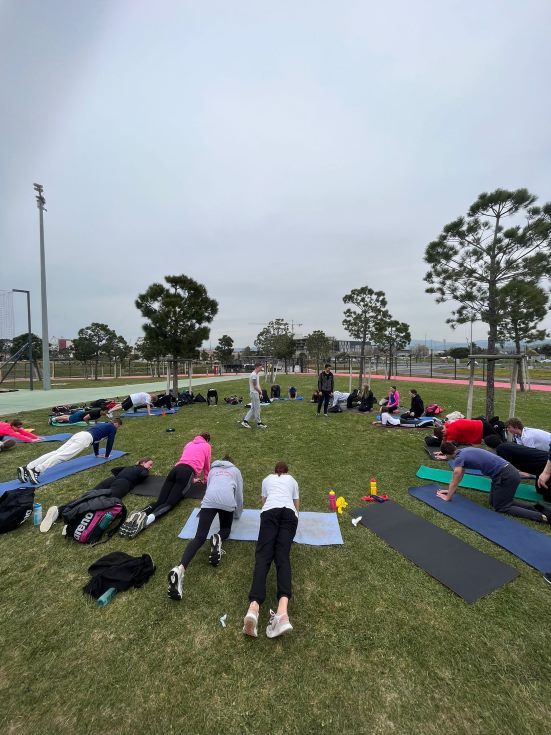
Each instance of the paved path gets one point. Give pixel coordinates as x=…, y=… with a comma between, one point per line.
x=12, y=404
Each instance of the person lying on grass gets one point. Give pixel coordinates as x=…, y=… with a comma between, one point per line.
x=505, y=481
x=83, y=414
x=223, y=498
x=278, y=525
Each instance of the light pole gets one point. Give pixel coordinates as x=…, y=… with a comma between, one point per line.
x=30, y=352
x=40, y=202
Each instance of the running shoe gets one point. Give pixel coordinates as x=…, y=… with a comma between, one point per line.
x=278, y=625
x=133, y=524
x=49, y=519
x=175, y=580
x=33, y=475
x=245, y=424
x=250, y=624
x=215, y=550
x=22, y=474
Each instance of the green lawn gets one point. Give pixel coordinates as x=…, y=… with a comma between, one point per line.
x=378, y=646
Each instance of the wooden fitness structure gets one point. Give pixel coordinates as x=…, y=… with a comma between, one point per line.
x=520, y=363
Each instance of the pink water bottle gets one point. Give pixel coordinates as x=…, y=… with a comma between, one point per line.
x=332, y=500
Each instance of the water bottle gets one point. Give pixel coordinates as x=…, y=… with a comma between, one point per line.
x=373, y=486
x=107, y=596
x=105, y=521
x=332, y=500
x=37, y=514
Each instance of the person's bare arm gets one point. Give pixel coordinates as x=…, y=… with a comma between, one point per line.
x=297, y=504
x=543, y=479
x=456, y=479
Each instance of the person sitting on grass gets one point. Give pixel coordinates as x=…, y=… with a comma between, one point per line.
x=119, y=483
x=73, y=446
x=292, y=393
x=14, y=430
x=367, y=400
x=523, y=435
x=392, y=402
x=417, y=407
x=223, y=498
x=278, y=526
x=505, y=481
x=195, y=459
x=83, y=414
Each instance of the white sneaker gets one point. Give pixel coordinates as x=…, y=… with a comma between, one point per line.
x=250, y=624
x=261, y=426
x=175, y=579
x=245, y=424
x=49, y=519
x=278, y=625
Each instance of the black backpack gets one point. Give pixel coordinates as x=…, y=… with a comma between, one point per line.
x=15, y=507
x=275, y=391
x=199, y=399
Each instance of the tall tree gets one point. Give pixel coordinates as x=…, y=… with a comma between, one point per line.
x=224, y=350
x=363, y=317
x=476, y=255
x=84, y=351
x=120, y=350
x=22, y=340
x=318, y=346
x=392, y=336
x=177, y=315
x=522, y=306
x=101, y=339
x=276, y=340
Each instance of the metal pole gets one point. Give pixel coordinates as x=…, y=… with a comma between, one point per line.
x=30, y=350
x=40, y=201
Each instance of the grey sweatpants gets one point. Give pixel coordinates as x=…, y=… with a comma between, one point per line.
x=254, y=410
x=502, y=494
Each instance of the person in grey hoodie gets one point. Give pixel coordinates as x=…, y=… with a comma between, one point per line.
x=223, y=497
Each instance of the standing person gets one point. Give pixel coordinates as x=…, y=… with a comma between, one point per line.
x=326, y=385
x=223, y=498
x=195, y=459
x=505, y=481
x=417, y=407
x=137, y=400
x=73, y=446
x=83, y=414
x=534, y=438
x=14, y=430
x=255, y=393
x=119, y=484
x=278, y=525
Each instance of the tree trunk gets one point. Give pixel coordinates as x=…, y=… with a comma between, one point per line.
x=175, y=377
x=96, y=366
x=389, y=376
x=521, y=380
x=362, y=366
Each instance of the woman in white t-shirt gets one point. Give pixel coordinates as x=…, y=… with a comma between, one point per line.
x=278, y=525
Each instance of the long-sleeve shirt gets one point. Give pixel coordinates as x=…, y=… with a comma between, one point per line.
x=534, y=438
x=326, y=382
x=17, y=433
x=107, y=431
x=417, y=407
x=393, y=400
x=197, y=454
x=224, y=488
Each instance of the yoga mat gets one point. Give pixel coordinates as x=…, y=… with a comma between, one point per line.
x=64, y=424
x=64, y=469
x=533, y=547
x=460, y=567
x=151, y=488
x=50, y=438
x=475, y=482
x=143, y=412
x=314, y=529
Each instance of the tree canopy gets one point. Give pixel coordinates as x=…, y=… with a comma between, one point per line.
x=23, y=339
x=318, y=346
x=93, y=341
x=503, y=237
x=276, y=340
x=224, y=349
x=363, y=318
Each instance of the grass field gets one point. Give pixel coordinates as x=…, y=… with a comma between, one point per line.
x=378, y=646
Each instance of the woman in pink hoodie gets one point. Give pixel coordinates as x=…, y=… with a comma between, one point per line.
x=195, y=460
x=15, y=430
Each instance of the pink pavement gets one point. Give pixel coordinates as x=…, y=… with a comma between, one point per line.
x=450, y=381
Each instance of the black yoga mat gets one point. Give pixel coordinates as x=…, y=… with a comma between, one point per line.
x=151, y=488
x=460, y=567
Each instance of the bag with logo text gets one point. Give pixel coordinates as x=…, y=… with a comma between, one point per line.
x=89, y=527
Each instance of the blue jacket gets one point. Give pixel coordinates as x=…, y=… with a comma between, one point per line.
x=105, y=430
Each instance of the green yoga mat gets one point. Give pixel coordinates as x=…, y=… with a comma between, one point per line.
x=475, y=482
x=65, y=424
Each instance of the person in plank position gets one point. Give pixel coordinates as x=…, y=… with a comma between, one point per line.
x=223, y=498
x=73, y=446
x=83, y=414
x=14, y=430
x=195, y=460
x=505, y=481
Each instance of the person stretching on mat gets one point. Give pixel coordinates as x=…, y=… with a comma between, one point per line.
x=528, y=461
x=120, y=483
x=505, y=481
x=526, y=437
x=223, y=498
x=463, y=431
x=73, y=446
x=195, y=459
x=278, y=525
x=135, y=401
x=83, y=414
x=14, y=430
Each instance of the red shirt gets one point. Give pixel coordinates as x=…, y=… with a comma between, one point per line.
x=464, y=431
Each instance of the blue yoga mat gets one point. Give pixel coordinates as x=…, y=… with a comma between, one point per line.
x=64, y=469
x=314, y=529
x=533, y=547
x=50, y=438
x=143, y=412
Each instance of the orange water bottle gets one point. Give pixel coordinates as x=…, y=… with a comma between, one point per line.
x=332, y=500
x=373, y=486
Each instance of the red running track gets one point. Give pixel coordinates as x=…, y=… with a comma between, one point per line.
x=450, y=381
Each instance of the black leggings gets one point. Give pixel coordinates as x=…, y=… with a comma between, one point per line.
x=174, y=489
x=277, y=531
x=119, y=486
x=324, y=398
x=206, y=517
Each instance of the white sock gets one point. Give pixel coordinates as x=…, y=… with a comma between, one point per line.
x=149, y=520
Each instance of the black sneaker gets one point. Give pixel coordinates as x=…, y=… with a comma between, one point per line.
x=33, y=475
x=215, y=550
x=245, y=424
x=22, y=474
x=547, y=577
x=260, y=425
x=175, y=580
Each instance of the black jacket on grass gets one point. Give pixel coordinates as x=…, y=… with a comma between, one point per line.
x=118, y=570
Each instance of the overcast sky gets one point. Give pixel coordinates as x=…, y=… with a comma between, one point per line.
x=280, y=153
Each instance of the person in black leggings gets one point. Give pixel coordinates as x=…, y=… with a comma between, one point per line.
x=326, y=386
